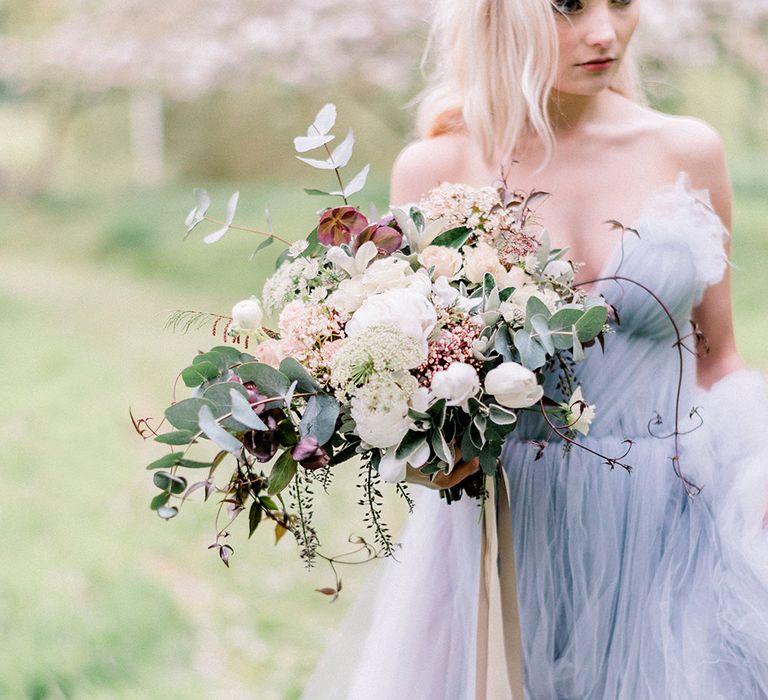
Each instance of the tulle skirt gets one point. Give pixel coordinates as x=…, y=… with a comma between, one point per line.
x=627, y=587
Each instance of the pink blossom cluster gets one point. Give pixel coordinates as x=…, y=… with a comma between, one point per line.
x=482, y=210
x=311, y=334
x=453, y=344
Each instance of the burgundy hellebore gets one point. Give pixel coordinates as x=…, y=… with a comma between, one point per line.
x=340, y=225
x=309, y=454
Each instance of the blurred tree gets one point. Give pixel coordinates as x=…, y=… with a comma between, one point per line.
x=183, y=49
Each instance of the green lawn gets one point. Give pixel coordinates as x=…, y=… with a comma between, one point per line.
x=99, y=597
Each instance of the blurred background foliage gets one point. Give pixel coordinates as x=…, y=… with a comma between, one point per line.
x=110, y=113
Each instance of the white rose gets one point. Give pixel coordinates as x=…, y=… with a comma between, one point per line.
x=386, y=273
x=406, y=309
x=481, y=259
x=457, y=384
x=380, y=428
x=579, y=413
x=247, y=314
x=445, y=261
x=513, y=385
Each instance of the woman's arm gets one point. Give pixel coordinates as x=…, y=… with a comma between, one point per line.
x=704, y=160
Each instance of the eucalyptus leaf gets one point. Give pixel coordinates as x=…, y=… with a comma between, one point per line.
x=198, y=374
x=319, y=164
x=591, y=323
x=166, y=461
x=243, y=412
x=183, y=414
x=231, y=354
x=219, y=360
x=536, y=306
x=216, y=433
x=319, y=417
x=324, y=120
x=268, y=241
x=302, y=144
x=169, y=482
x=503, y=343
x=282, y=473
x=561, y=324
x=269, y=381
x=541, y=328
x=296, y=373
x=577, y=349
x=356, y=184
x=167, y=512
x=342, y=154
x=220, y=396
x=532, y=354
x=178, y=437
x=160, y=500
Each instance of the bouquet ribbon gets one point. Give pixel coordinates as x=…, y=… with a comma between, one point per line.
x=499, y=647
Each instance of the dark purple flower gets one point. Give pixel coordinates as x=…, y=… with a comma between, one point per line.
x=263, y=444
x=340, y=225
x=309, y=454
x=255, y=396
x=386, y=238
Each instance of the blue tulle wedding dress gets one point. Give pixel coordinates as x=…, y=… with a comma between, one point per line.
x=628, y=587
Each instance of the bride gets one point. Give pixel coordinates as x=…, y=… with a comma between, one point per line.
x=637, y=586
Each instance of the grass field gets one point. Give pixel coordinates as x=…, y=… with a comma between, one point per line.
x=98, y=597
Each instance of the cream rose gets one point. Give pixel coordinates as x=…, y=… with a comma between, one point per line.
x=481, y=259
x=513, y=385
x=445, y=261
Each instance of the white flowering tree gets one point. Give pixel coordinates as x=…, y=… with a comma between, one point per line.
x=183, y=49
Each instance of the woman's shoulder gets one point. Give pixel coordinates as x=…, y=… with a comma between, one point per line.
x=692, y=146
x=425, y=163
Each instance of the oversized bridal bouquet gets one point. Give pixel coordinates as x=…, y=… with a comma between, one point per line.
x=399, y=342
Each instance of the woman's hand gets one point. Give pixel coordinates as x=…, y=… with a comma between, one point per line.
x=460, y=471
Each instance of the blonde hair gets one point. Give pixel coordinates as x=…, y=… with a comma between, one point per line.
x=495, y=64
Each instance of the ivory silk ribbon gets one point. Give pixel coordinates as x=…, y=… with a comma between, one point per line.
x=499, y=648
x=499, y=656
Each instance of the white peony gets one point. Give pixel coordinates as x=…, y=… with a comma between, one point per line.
x=445, y=261
x=247, y=314
x=457, y=384
x=579, y=414
x=383, y=427
x=513, y=385
x=420, y=282
x=517, y=277
x=406, y=309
